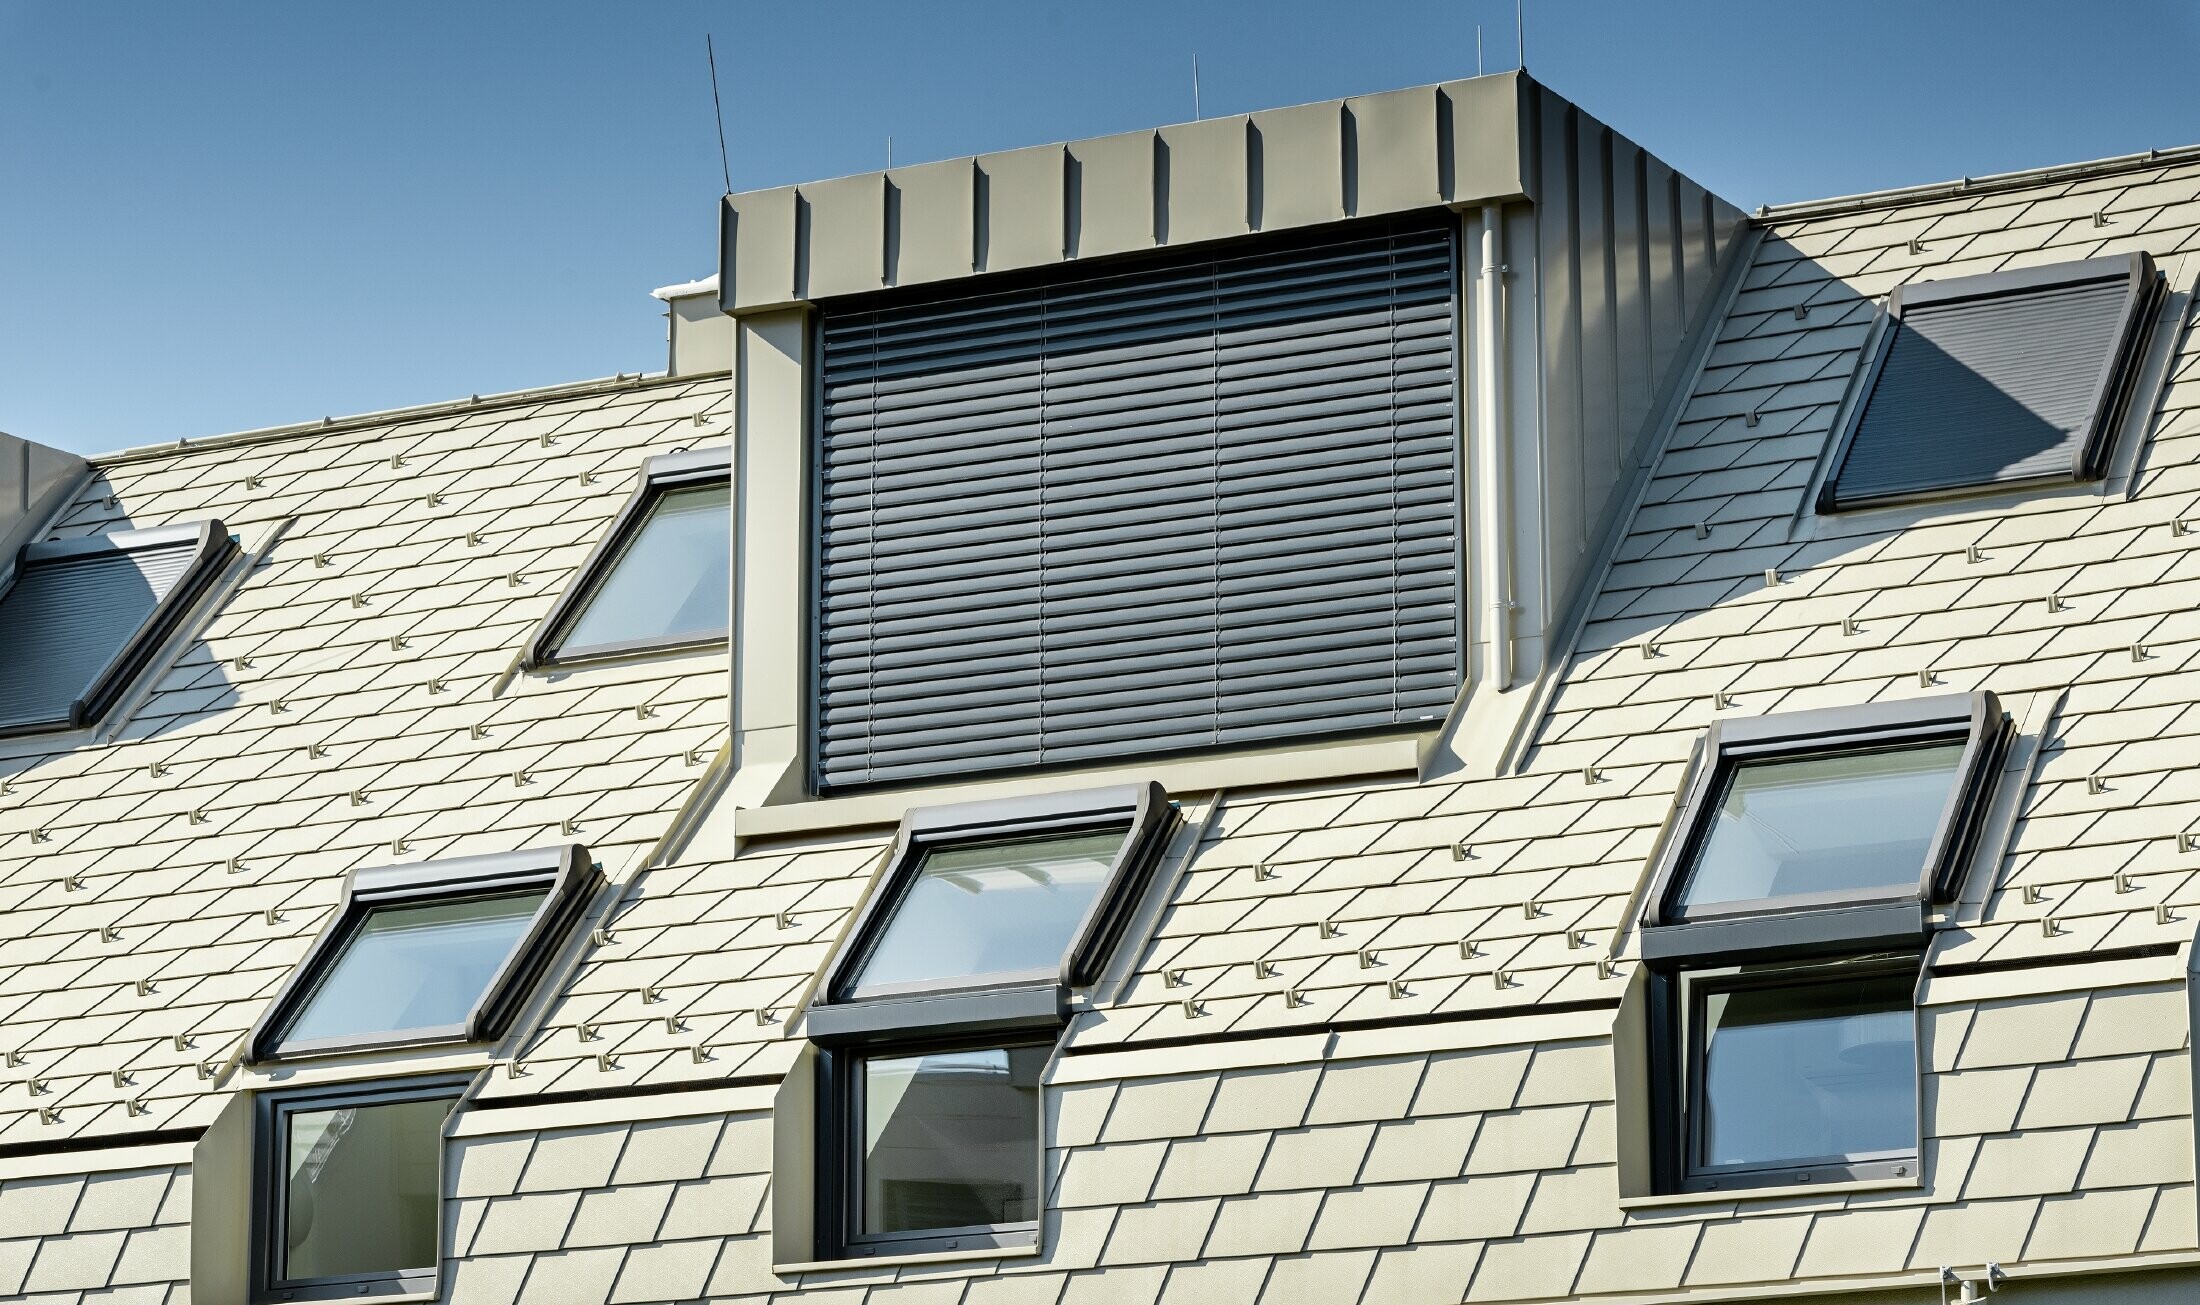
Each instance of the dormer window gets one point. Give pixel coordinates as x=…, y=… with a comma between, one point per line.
x=1985, y=382
x=1785, y=927
x=943, y=1003
x=432, y=952
x=82, y=619
x=660, y=580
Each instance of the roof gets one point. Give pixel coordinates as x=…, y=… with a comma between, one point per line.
x=326, y=718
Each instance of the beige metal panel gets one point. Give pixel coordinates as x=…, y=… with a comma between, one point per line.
x=1019, y=211
x=1111, y=194
x=931, y=234
x=1200, y=176
x=1300, y=178
x=702, y=336
x=843, y=236
x=1394, y=161
x=1487, y=156
x=760, y=236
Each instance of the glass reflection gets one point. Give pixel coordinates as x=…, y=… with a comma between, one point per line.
x=673, y=581
x=414, y=967
x=362, y=1184
x=950, y=1139
x=1808, y=1073
x=1855, y=823
x=990, y=910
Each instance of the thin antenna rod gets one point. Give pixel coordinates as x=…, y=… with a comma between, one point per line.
x=1478, y=49
x=1520, y=30
x=718, y=112
x=1196, y=115
x=889, y=151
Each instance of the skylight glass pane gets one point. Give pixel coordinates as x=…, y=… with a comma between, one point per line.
x=1857, y=824
x=674, y=581
x=950, y=1139
x=414, y=967
x=361, y=1188
x=990, y=910
x=1811, y=1073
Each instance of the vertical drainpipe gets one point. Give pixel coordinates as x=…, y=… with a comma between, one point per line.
x=1492, y=466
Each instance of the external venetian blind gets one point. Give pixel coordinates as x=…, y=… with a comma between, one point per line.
x=2003, y=379
x=82, y=615
x=1202, y=501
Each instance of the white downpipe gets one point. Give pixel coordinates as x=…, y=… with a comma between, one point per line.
x=1492, y=467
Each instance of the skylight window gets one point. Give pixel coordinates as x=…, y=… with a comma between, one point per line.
x=942, y=1006
x=81, y=619
x=1785, y=927
x=1982, y=382
x=661, y=578
x=428, y=953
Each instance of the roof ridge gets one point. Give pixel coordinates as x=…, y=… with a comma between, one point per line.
x=1999, y=181
x=471, y=403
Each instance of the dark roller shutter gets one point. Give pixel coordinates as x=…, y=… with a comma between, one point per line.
x=80, y=611
x=1208, y=500
x=1998, y=379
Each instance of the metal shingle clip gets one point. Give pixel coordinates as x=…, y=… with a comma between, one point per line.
x=184, y=1041
x=398, y=642
x=521, y=778
x=144, y=987
x=1398, y=990
x=587, y=478
x=1367, y=958
x=516, y=1069
x=400, y=846
x=1849, y=625
x=474, y=538
x=1772, y=577
x=2033, y=894
x=1293, y=998
x=601, y=937
x=2123, y=882
x=1605, y=968
x=2162, y=914
x=205, y=1069
x=1501, y=978
x=397, y=462
x=252, y=482
x=274, y=916
x=1531, y=909
x=120, y=1077
x=2095, y=785
x=38, y=1087
x=1802, y=312
x=2055, y=603
x=1469, y=949
x=1193, y=1008
x=785, y=919
x=2138, y=652
x=2188, y=842
x=1264, y=969
x=358, y=797
x=2100, y=217
x=1576, y=939
x=235, y=864
x=316, y=751
x=321, y=559
x=73, y=883
x=766, y=1015
x=1591, y=775
x=279, y=706
x=1649, y=649
x=15, y=1059
x=1703, y=530
x=695, y=756
x=1917, y=244
x=544, y=440
x=649, y=994
x=1263, y=873
x=643, y=711
x=1172, y=978
x=2181, y=527
x=436, y=685
x=516, y=579
x=1329, y=929
x=156, y=770
x=198, y=815
x=1973, y=554
x=1722, y=700
x=699, y=1053
x=435, y=498
x=1750, y=418
x=42, y=835
x=674, y=1024
x=1462, y=851
x=1925, y=678
x=358, y=600
x=109, y=933
x=477, y=732
x=605, y=1064
x=584, y=1031
x=48, y=1115
x=2050, y=926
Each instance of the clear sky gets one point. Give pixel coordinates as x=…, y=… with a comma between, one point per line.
x=220, y=216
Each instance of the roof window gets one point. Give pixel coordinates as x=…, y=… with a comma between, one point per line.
x=81, y=619
x=1984, y=382
x=661, y=578
x=433, y=952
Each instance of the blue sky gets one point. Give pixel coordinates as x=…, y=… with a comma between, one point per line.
x=220, y=216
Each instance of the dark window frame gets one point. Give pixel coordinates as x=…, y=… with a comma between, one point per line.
x=212, y=549
x=840, y=1158
x=270, y=1190
x=566, y=875
x=1676, y=1077
x=1149, y=820
x=1818, y=922
x=1002, y=1011
x=2113, y=391
x=661, y=475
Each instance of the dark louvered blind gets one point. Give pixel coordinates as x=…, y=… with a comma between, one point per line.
x=1994, y=387
x=1197, y=502
x=63, y=621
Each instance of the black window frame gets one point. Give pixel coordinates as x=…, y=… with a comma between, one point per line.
x=2113, y=391
x=212, y=548
x=270, y=1190
x=840, y=1156
x=1677, y=1079
x=1819, y=922
x=566, y=875
x=1018, y=1010
x=661, y=475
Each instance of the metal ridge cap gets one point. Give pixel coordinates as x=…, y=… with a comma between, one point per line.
x=1986, y=185
x=386, y=416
